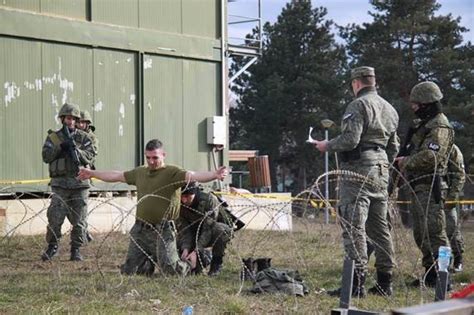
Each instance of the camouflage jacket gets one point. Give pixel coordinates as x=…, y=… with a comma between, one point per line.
x=456, y=174
x=62, y=169
x=369, y=120
x=95, y=145
x=201, y=215
x=430, y=147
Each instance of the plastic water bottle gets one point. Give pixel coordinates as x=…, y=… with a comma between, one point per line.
x=188, y=310
x=444, y=257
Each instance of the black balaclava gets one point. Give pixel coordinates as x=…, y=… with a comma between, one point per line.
x=428, y=111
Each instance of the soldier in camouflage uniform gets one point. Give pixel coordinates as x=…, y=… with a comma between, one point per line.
x=202, y=224
x=456, y=179
x=367, y=145
x=153, y=236
x=426, y=168
x=65, y=150
x=85, y=124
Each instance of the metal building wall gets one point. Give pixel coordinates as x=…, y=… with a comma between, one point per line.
x=148, y=77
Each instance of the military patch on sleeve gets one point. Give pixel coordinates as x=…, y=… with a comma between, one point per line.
x=433, y=146
x=347, y=116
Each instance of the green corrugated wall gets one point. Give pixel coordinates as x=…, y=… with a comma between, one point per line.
x=143, y=68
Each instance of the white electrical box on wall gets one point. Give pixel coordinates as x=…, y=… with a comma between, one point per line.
x=216, y=130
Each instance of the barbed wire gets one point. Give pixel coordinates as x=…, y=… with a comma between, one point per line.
x=250, y=209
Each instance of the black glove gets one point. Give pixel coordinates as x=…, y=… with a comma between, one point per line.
x=68, y=145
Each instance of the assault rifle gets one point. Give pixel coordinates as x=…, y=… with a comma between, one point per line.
x=227, y=216
x=71, y=149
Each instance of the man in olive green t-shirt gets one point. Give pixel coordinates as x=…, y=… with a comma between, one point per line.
x=153, y=236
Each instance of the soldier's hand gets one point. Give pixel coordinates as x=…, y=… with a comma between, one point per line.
x=322, y=146
x=184, y=254
x=84, y=173
x=400, y=162
x=221, y=172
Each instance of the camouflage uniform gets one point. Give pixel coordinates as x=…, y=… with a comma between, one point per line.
x=456, y=180
x=367, y=145
x=368, y=133
x=202, y=225
x=85, y=116
x=426, y=169
x=70, y=195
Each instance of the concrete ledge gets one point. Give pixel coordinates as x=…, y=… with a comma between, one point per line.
x=28, y=216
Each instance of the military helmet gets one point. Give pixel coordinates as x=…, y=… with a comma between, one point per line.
x=70, y=109
x=425, y=93
x=190, y=188
x=85, y=116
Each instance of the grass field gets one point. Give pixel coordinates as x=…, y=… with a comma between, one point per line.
x=29, y=285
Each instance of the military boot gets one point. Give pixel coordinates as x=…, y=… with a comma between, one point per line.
x=89, y=237
x=383, y=286
x=76, y=254
x=263, y=263
x=248, y=269
x=358, y=285
x=49, y=252
x=457, y=264
x=216, y=266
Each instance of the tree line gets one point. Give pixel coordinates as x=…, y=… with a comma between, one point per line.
x=302, y=78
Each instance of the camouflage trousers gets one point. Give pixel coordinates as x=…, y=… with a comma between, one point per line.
x=70, y=204
x=453, y=231
x=216, y=236
x=151, y=246
x=429, y=225
x=363, y=210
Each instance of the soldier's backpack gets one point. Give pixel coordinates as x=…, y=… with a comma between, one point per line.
x=272, y=280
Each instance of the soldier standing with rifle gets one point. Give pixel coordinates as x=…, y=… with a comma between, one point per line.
x=430, y=143
x=65, y=150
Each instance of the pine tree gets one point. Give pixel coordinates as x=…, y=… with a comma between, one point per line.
x=408, y=43
x=295, y=84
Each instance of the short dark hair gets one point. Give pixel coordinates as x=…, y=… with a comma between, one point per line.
x=153, y=144
x=369, y=80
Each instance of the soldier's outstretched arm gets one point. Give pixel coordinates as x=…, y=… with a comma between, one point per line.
x=106, y=176
x=207, y=176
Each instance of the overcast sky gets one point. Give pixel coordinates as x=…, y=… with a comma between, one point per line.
x=342, y=12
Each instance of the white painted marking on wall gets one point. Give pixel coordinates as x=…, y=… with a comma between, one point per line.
x=148, y=105
x=117, y=62
x=147, y=63
x=129, y=59
x=12, y=91
x=132, y=98
x=98, y=106
x=54, y=101
x=121, y=130
x=122, y=110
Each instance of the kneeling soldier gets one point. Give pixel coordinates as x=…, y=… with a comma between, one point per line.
x=201, y=224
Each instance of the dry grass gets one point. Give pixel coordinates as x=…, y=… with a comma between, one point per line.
x=95, y=285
